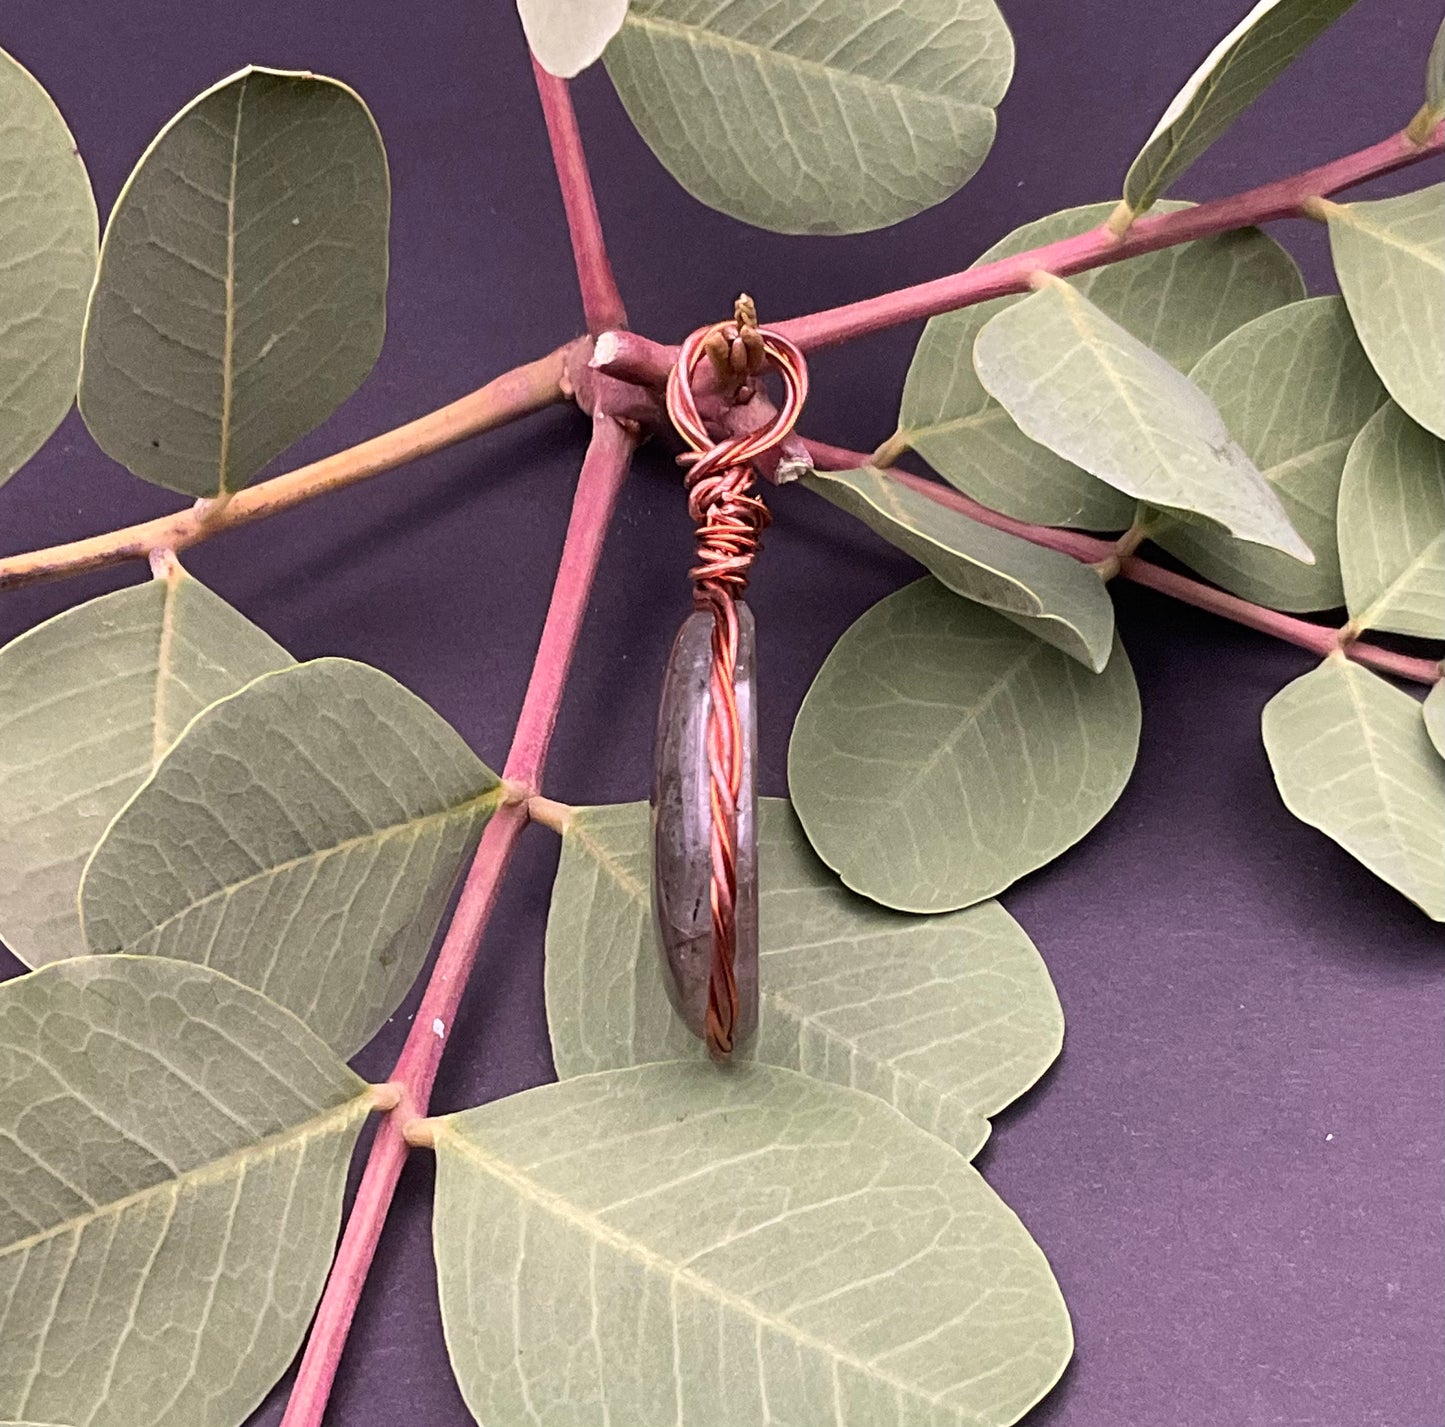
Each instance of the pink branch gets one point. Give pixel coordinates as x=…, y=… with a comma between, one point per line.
x=1284, y=198
x=598, y=487
x=601, y=301
x=1317, y=638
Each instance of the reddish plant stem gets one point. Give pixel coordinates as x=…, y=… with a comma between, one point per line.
x=1284, y=198
x=602, y=304
x=513, y=394
x=1317, y=638
x=603, y=472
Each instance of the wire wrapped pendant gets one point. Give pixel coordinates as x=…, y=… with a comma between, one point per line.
x=704, y=804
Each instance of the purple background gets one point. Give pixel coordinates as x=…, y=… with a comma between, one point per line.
x=1236, y=1166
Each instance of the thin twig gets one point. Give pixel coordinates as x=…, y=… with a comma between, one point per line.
x=601, y=302
x=603, y=471
x=514, y=394
x=1283, y=198
x=1318, y=638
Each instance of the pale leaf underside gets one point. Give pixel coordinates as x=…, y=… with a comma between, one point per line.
x=672, y=1243
x=173, y=1151
x=942, y=752
x=1434, y=712
x=1239, y=69
x=47, y=260
x=568, y=35
x=302, y=837
x=1050, y=594
x=1390, y=259
x=1392, y=527
x=946, y=1018
x=1179, y=301
x=815, y=116
x=241, y=295
x=89, y=701
x=1294, y=388
x=1352, y=757
x=1079, y=383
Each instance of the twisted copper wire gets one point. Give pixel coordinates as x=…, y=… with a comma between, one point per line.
x=730, y=520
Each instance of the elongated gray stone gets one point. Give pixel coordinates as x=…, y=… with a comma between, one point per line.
x=681, y=828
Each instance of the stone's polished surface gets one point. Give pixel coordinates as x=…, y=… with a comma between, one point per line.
x=682, y=822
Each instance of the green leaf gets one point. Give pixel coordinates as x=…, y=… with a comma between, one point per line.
x=568, y=35
x=946, y=1018
x=1234, y=74
x=1294, y=387
x=1434, y=712
x=1051, y=595
x=1352, y=758
x=241, y=295
x=1082, y=385
x=815, y=116
x=303, y=837
x=942, y=753
x=1390, y=259
x=89, y=701
x=1392, y=527
x=173, y=1149
x=1180, y=301
x=676, y=1243
x=1435, y=75
x=48, y=236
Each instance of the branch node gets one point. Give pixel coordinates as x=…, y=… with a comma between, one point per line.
x=1317, y=208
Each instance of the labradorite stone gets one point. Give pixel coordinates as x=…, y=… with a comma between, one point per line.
x=681, y=828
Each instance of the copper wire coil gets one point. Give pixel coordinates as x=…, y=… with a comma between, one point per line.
x=730, y=520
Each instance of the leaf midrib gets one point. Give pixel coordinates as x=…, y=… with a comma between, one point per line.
x=529, y=1190
x=217, y=1170
x=229, y=337
x=1393, y=820
x=492, y=797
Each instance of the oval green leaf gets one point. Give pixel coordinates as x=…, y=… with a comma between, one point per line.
x=815, y=116
x=1051, y=595
x=173, y=1149
x=1351, y=756
x=1434, y=712
x=1435, y=77
x=743, y=1248
x=48, y=237
x=1392, y=527
x=1390, y=260
x=303, y=836
x=942, y=753
x=1180, y=301
x=1093, y=393
x=947, y=1018
x=89, y=703
x=568, y=35
x=241, y=295
x=1234, y=74
x=1294, y=387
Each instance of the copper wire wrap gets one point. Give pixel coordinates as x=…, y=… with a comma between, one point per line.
x=730, y=519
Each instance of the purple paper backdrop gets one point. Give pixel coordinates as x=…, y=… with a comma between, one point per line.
x=1236, y=1166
